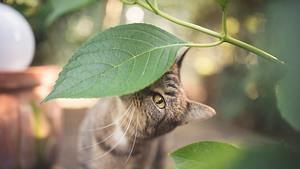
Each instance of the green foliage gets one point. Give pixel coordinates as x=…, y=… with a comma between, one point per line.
x=223, y=4
x=288, y=97
x=273, y=156
x=127, y=58
x=62, y=7
x=205, y=155
x=287, y=46
x=216, y=155
x=46, y=12
x=121, y=60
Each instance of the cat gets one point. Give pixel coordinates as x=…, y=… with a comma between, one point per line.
x=126, y=132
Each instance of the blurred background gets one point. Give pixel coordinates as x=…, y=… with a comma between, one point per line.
x=257, y=101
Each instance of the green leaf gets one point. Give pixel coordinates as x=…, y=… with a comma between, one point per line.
x=287, y=46
x=268, y=156
x=61, y=7
x=216, y=155
x=288, y=97
x=205, y=155
x=119, y=61
x=223, y=3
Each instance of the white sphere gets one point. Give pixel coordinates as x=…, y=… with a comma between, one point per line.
x=16, y=40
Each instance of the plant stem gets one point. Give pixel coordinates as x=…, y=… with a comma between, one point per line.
x=224, y=23
x=252, y=49
x=180, y=22
x=204, y=45
x=222, y=36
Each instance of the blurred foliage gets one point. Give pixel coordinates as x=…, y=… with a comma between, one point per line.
x=275, y=156
x=205, y=155
x=60, y=7
x=283, y=39
x=216, y=155
x=223, y=3
x=57, y=34
x=243, y=90
x=42, y=13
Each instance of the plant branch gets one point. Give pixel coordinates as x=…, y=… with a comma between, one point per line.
x=154, y=8
x=224, y=23
x=178, y=21
x=155, y=3
x=204, y=45
x=252, y=49
x=223, y=37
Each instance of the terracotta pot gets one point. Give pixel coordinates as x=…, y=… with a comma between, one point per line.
x=30, y=132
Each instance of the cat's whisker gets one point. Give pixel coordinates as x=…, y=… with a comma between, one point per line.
x=138, y=122
x=133, y=144
x=119, y=142
x=103, y=140
x=111, y=124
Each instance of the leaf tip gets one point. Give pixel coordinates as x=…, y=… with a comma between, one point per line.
x=50, y=96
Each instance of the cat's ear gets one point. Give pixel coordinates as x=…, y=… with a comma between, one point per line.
x=180, y=56
x=198, y=111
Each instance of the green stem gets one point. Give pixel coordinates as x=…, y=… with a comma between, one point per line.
x=224, y=24
x=205, y=45
x=222, y=36
x=252, y=49
x=153, y=8
x=155, y=3
x=180, y=22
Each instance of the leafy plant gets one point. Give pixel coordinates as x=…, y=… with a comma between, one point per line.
x=216, y=155
x=132, y=55
x=132, y=45
x=287, y=46
x=62, y=7
x=138, y=54
x=205, y=155
x=43, y=13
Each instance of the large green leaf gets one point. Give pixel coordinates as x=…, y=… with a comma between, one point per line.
x=205, y=155
x=282, y=39
x=61, y=7
x=121, y=60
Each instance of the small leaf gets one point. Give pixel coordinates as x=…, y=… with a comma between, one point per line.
x=216, y=155
x=62, y=7
x=223, y=4
x=205, y=155
x=119, y=61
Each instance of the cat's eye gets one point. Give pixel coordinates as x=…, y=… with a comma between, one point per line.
x=159, y=101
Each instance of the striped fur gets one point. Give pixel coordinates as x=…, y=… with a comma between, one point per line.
x=126, y=132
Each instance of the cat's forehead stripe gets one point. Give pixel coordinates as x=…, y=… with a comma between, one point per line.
x=171, y=77
x=172, y=85
x=172, y=81
x=171, y=93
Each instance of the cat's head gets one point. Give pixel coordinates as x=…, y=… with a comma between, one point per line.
x=163, y=106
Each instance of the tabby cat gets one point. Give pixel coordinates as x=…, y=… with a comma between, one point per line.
x=126, y=132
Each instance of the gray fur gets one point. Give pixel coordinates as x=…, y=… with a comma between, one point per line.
x=142, y=124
